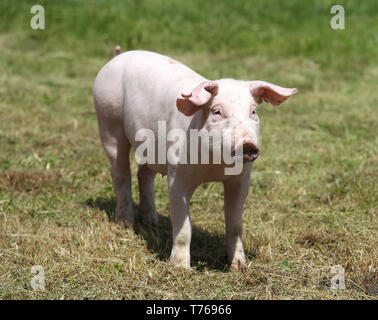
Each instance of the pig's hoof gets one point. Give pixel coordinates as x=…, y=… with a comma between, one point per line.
x=149, y=218
x=126, y=222
x=150, y=221
x=180, y=263
x=239, y=266
x=125, y=216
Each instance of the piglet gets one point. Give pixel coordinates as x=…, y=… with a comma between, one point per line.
x=153, y=103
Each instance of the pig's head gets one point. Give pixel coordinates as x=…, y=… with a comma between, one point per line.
x=230, y=106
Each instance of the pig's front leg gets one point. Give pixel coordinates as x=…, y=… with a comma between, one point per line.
x=180, y=193
x=235, y=192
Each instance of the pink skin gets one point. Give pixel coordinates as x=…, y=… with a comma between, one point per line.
x=135, y=90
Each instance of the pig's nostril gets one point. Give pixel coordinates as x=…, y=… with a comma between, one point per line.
x=250, y=148
x=250, y=151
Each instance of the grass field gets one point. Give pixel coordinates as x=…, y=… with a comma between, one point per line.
x=313, y=200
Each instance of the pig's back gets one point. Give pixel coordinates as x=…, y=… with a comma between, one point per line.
x=143, y=80
x=152, y=83
x=140, y=88
x=156, y=78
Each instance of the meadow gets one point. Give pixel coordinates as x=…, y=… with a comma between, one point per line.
x=312, y=203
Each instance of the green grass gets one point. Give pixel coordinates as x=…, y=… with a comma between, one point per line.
x=312, y=203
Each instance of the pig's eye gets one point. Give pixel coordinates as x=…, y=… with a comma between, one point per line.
x=216, y=114
x=217, y=111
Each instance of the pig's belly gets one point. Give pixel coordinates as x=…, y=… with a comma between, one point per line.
x=153, y=159
x=159, y=168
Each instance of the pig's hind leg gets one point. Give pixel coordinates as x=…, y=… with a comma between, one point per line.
x=117, y=148
x=146, y=208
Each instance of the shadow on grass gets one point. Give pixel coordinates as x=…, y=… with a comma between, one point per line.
x=207, y=248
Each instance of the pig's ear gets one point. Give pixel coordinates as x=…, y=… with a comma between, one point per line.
x=269, y=92
x=191, y=102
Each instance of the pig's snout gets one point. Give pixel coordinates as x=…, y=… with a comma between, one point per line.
x=249, y=149
x=250, y=152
